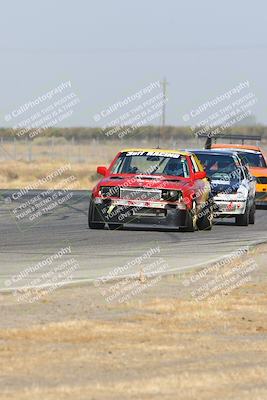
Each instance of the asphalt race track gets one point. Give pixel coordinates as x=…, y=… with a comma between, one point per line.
x=97, y=252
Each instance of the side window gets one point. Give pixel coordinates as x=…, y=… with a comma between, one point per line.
x=194, y=163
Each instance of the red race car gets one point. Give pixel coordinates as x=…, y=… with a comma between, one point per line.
x=154, y=188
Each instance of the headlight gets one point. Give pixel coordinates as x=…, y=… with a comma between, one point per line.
x=171, y=195
x=110, y=191
x=242, y=193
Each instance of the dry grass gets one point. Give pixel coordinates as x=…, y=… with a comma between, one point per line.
x=179, y=350
x=161, y=348
x=22, y=166
x=20, y=174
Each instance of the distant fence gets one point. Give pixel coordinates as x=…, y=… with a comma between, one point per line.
x=75, y=150
x=50, y=149
x=78, y=149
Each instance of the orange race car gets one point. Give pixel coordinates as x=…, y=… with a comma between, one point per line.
x=257, y=164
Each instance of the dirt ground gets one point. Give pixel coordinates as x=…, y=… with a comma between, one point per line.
x=163, y=343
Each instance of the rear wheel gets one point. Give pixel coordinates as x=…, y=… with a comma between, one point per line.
x=243, y=219
x=91, y=224
x=252, y=214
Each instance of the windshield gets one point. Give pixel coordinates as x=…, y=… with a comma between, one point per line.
x=151, y=163
x=253, y=159
x=221, y=167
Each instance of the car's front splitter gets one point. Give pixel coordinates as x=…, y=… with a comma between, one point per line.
x=167, y=218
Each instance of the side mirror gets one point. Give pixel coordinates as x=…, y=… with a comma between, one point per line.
x=208, y=179
x=200, y=175
x=102, y=170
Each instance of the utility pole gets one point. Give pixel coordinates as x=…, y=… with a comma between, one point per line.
x=164, y=84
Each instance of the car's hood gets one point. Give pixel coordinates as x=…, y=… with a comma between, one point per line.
x=258, y=171
x=149, y=181
x=227, y=187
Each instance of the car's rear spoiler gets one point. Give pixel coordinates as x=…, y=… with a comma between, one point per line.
x=230, y=137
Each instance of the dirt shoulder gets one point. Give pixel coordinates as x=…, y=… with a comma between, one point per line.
x=193, y=336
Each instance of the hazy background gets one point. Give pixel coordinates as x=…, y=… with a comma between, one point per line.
x=111, y=49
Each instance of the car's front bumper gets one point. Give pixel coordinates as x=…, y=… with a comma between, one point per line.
x=151, y=214
x=225, y=208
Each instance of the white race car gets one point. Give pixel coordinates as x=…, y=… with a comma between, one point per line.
x=233, y=187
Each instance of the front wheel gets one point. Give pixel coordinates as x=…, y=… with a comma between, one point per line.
x=191, y=219
x=91, y=223
x=205, y=219
x=243, y=219
x=252, y=214
x=114, y=226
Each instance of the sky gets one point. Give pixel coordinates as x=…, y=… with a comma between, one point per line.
x=112, y=49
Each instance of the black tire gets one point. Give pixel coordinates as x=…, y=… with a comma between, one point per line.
x=113, y=227
x=191, y=219
x=252, y=214
x=243, y=219
x=91, y=224
x=205, y=219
